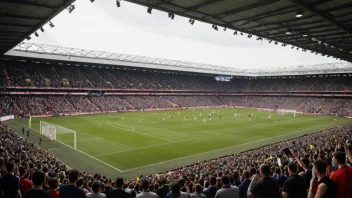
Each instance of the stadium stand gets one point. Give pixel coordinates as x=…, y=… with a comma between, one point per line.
x=20, y=74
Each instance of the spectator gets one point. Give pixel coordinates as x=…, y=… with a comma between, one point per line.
x=53, y=185
x=108, y=187
x=70, y=190
x=236, y=177
x=130, y=190
x=211, y=191
x=163, y=190
x=38, y=179
x=80, y=183
x=118, y=192
x=96, y=191
x=175, y=191
x=10, y=184
x=294, y=187
x=24, y=181
x=198, y=192
x=243, y=187
x=342, y=176
x=266, y=187
x=146, y=192
x=327, y=187
x=227, y=191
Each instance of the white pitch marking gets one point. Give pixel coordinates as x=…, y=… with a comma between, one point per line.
x=79, y=151
x=141, y=148
x=224, y=148
x=132, y=131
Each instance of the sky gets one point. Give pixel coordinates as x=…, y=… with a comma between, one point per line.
x=129, y=29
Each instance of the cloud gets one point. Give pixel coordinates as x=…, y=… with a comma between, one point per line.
x=131, y=30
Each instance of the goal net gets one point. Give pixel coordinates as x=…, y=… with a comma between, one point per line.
x=286, y=111
x=58, y=133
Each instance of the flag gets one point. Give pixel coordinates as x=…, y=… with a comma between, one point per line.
x=311, y=147
x=269, y=158
x=30, y=122
x=279, y=162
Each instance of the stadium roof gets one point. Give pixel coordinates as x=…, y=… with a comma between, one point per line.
x=82, y=56
x=21, y=18
x=321, y=26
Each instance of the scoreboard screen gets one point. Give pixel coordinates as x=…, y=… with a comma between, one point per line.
x=223, y=78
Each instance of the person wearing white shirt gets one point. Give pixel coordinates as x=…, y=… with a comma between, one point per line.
x=96, y=191
x=146, y=193
x=227, y=191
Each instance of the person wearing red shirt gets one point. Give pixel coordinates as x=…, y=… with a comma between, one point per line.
x=53, y=185
x=342, y=176
x=24, y=181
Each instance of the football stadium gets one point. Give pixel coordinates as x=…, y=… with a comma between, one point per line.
x=83, y=122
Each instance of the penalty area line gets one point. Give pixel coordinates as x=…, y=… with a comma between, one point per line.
x=78, y=150
x=130, y=131
x=319, y=128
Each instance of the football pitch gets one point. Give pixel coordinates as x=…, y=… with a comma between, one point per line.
x=118, y=145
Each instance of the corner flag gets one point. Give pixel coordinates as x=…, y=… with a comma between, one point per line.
x=30, y=122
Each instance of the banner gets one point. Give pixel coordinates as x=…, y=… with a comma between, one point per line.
x=9, y=117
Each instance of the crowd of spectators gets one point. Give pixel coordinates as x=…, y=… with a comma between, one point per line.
x=34, y=105
x=6, y=106
x=45, y=104
x=314, y=165
x=82, y=104
x=18, y=73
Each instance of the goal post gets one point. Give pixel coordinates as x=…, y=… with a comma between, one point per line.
x=287, y=111
x=58, y=133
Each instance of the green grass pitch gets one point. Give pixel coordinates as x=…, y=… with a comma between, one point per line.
x=114, y=146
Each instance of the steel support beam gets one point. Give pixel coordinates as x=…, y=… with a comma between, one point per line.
x=340, y=7
x=28, y=3
x=7, y=15
x=16, y=25
x=246, y=8
x=280, y=11
x=207, y=3
x=320, y=14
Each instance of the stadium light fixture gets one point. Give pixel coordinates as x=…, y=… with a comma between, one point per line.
x=288, y=31
x=51, y=24
x=42, y=29
x=305, y=35
x=118, y=4
x=235, y=33
x=149, y=10
x=36, y=34
x=171, y=16
x=299, y=13
x=71, y=8
x=191, y=21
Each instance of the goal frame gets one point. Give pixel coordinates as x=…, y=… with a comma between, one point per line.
x=293, y=111
x=58, y=126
